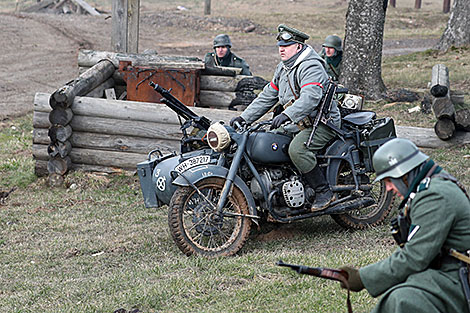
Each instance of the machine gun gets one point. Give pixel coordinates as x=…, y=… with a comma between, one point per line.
x=200, y=123
x=173, y=103
x=323, y=110
x=322, y=272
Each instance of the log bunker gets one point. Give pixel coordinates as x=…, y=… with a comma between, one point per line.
x=87, y=125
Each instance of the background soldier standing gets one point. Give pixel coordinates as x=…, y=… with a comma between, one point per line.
x=332, y=52
x=222, y=56
x=421, y=275
x=299, y=83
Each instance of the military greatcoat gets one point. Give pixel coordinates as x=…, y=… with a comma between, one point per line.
x=308, y=79
x=440, y=218
x=232, y=60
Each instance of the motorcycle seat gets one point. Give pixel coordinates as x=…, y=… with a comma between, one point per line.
x=359, y=118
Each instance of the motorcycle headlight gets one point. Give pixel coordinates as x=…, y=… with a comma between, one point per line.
x=352, y=102
x=218, y=137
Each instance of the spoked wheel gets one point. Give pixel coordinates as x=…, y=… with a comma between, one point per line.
x=198, y=228
x=366, y=216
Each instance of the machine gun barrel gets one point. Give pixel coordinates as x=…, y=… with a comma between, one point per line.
x=173, y=103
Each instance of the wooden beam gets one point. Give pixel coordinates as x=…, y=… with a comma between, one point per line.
x=119, y=26
x=426, y=137
x=88, y=58
x=133, y=26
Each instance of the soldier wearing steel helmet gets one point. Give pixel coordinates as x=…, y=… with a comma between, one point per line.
x=298, y=85
x=332, y=52
x=223, y=56
x=432, y=230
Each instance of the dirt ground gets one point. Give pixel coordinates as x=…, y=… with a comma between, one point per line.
x=38, y=51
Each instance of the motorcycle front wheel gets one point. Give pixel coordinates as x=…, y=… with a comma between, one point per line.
x=372, y=215
x=197, y=227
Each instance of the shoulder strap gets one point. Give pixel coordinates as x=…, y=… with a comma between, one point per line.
x=296, y=93
x=447, y=176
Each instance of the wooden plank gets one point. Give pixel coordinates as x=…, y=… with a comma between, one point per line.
x=41, y=169
x=88, y=58
x=220, y=83
x=99, y=90
x=133, y=26
x=84, y=5
x=119, y=26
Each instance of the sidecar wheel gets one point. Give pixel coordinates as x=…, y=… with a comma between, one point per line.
x=198, y=229
x=372, y=215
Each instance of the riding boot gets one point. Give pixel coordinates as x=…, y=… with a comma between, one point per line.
x=323, y=194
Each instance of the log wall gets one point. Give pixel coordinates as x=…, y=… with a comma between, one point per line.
x=113, y=135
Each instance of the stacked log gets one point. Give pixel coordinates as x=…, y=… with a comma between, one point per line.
x=61, y=115
x=228, y=92
x=111, y=135
x=444, y=104
x=220, y=88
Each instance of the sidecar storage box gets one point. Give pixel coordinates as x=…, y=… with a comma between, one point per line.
x=145, y=170
x=380, y=131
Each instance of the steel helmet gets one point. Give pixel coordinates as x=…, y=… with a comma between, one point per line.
x=333, y=41
x=222, y=40
x=397, y=157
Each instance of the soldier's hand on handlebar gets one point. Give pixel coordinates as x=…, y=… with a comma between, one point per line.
x=237, y=120
x=279, y=120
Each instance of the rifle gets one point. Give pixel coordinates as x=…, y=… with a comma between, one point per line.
x=322, y=272
x=323, y=109
x=173, y=103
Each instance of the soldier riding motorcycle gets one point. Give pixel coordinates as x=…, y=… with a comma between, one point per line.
x=226, y=179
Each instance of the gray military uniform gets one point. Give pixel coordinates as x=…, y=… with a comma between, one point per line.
x=234, y=61
x=307, y=77
x=441, y=211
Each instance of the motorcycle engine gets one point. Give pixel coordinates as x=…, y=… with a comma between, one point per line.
x=289, y=191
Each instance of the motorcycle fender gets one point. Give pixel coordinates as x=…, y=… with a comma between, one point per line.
x=196, y=174
x=338, y=148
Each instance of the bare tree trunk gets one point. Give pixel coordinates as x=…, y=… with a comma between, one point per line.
x=393, y=3
x=457, y=33
x=417, y=4
x=362, y=58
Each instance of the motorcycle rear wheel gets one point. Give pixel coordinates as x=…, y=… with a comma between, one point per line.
x=372, y=215
x=196, y=226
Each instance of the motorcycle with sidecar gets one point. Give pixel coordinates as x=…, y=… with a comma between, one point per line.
x=226, y=179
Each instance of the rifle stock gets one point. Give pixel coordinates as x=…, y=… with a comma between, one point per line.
x=322, y=272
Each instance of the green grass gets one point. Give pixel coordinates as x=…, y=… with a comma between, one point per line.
x=91, y=246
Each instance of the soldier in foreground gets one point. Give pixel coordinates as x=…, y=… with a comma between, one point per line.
x=332, y=53
x=429, y=271
x=299, y=83
x=222, y=56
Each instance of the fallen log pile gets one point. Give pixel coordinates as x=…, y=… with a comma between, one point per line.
x=449, y=107
x=57, y=7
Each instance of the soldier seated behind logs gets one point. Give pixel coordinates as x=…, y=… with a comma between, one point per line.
x=429, y=271
x=222, y=56
x=299, y=83
x=332, y=53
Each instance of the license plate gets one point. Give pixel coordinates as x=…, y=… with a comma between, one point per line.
x=194, y=161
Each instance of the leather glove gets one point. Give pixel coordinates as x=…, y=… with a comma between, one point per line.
x=279, y=120
x=354, y=279
x=237, y=119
